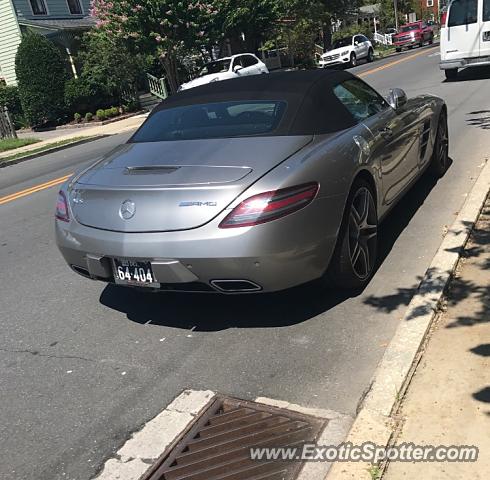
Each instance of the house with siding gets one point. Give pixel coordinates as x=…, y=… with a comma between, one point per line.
x=62, y=21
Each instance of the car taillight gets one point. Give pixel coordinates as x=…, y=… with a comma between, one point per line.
x=269, y=206
x=62, y=208
x=443, y=19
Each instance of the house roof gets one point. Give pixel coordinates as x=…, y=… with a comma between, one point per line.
x=60, y=23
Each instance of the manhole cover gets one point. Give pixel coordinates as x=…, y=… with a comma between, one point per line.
x=217, y=446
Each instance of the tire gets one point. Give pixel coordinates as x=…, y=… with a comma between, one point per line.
x=451, y=74
x=439, y=162
x=353, y=60
x=370, y=57
x=431, y=40
x=398, y=49
x=354, y=259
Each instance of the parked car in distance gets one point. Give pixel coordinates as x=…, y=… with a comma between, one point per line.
x=227, y=68
x=412, y=34
x=465, y=40
x=348, y=51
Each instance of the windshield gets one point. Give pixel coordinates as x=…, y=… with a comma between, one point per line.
x=219, y=66
x=409, y=28
x=212, y=120
x=343, y=42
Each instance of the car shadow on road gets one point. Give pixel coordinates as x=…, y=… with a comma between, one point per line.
x=215, y=312
x=390, y=230
x=471, y=74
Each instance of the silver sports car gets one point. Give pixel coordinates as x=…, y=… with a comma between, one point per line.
x=253, y=184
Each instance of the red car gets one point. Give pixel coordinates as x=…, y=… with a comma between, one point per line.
x=411, y=34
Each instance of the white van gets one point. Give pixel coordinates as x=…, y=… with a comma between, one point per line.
x=465, y=40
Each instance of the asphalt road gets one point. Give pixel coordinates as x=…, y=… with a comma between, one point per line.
x=82, y=364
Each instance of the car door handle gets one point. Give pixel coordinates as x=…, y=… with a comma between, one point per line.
x=386, y=132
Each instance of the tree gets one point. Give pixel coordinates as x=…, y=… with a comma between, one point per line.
x=41, y=76
x=108, y=67
x=255, y=19
x=167, y=29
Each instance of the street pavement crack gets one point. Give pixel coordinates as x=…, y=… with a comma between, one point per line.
x=36, y=353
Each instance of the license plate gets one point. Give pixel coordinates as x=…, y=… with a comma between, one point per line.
x=130, y=272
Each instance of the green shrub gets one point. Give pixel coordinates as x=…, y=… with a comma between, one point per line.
x=41, y=78
x=108, y=112
x=9, y=97
x=115, y=111
x=130, y=106
x=88, y=116
x=100, y=114
x=77, y=117
x=83, y=96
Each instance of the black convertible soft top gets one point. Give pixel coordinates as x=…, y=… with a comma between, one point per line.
x=312, y=107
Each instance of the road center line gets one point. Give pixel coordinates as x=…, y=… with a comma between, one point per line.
x=391, y=64
x=36, y=188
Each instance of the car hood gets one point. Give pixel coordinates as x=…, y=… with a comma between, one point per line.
x=175, y=185
x=207, y=79
x=336, y=51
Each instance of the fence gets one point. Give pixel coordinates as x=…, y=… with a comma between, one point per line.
x=158, y=86
x=7, y=129
x=386, y=39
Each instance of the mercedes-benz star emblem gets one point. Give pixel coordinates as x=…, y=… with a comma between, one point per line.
x=127, y=210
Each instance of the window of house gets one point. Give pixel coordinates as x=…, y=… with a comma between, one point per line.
x=430, y=3
x=75, y=7
x=38, y=7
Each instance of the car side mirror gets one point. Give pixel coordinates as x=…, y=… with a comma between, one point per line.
x=237, y=68
x=397, y=98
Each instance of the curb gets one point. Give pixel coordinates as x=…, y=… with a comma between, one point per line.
x=30, y=156
x=374, y=422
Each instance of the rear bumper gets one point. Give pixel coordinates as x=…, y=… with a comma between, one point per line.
x=464, y=62
x=274, y=256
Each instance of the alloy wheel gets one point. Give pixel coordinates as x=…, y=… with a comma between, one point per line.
x=363, y=231
x=442, y=147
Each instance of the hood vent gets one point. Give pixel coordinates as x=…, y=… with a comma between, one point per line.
x=151, y=169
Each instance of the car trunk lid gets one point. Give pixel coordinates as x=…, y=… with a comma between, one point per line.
x=177, y=185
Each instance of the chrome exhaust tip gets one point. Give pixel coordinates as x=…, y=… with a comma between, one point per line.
x=235, y=286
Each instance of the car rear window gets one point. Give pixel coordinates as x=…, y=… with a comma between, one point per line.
x=212, y=120
x=486, y=10
x=463, y=12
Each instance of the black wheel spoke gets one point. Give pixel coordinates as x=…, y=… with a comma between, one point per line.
x=365, y=258
x=363, y=230
x=356, y=253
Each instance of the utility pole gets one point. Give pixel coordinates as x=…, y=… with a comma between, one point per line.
x=396, y=14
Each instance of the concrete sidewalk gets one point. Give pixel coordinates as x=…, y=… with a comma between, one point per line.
x=54, y=136
x=448, y=401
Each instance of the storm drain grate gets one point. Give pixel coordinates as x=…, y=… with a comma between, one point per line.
x=217, y=446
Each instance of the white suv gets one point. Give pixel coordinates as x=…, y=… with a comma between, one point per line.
x=465, y=40
x=347, y=51
x=226, y=68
